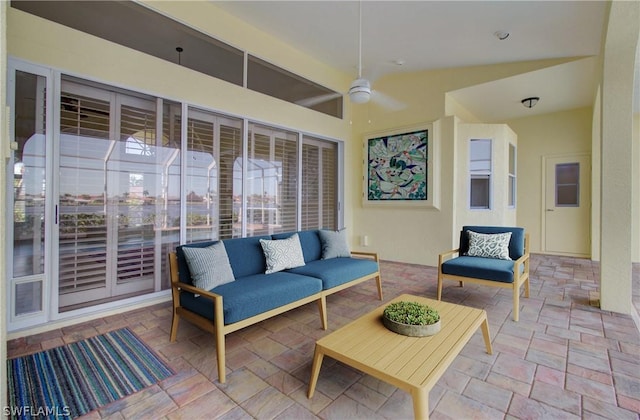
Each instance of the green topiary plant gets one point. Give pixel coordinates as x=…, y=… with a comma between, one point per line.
x=411, y=313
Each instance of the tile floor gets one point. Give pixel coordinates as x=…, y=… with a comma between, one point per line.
x=564, y=359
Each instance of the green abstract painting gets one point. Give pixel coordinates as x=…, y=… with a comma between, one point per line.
x=397, y=166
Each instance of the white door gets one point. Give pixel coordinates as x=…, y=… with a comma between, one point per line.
x=567, y=206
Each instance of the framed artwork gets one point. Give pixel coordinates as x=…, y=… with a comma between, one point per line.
x=398, y=167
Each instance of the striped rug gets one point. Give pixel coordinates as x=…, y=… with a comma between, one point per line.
x=72, y=380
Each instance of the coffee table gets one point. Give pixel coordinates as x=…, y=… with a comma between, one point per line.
x=413, y=364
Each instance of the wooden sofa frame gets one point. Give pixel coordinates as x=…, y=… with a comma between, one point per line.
x=519, y=278
x=218, y=327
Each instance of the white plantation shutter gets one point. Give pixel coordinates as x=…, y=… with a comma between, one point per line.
x=214, y=145
x=310, y=187
x=272, y=177
x=230, y=188
x=82, y=262
x=286, y=151
x=319, y=184
x=330, y=186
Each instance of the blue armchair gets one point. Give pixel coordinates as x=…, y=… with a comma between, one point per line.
x=490, y=255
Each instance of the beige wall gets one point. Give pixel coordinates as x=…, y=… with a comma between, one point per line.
x=500, y=213
x=407, y=234
x=560, y=133
x=618, y=74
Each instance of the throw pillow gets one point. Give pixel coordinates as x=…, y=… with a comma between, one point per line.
x=209, y=266
x=334, y=244
x=282, y=253
x=495, y=245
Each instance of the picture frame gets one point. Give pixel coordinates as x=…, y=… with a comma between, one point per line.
x=399, y=167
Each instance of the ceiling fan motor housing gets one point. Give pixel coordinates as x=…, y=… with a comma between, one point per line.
x=360, y=91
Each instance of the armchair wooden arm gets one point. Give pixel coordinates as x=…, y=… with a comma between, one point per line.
x=371, y=255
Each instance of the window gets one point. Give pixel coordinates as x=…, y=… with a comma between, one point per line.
x=512, y=175
x=138, y=27
x=568, y=185
x=213, y=190
x=272, y=174
x=271, y=80
x=319, y=189
x=480, y=174
x=124, y=194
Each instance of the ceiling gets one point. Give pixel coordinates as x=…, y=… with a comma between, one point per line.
x=408, y=36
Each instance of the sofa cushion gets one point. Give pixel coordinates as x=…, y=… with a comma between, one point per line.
x=281, y=254
x=480, y=268
x=516, y=243
x=255, y=294
x=209, y=266
x=310, y=242
x=246, y=255
x=336, y=271
x=489, y=245
x=334, y=244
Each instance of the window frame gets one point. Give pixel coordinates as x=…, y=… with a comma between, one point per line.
x=481, y=174
x=512, y=186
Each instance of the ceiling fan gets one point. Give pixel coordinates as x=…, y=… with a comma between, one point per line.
x=360, y=91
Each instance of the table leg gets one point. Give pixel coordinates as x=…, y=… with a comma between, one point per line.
x=487, y=337
x=315, y=370
x=420, y=403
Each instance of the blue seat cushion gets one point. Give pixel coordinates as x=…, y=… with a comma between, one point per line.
x=336, y=271
x=309, y=241
x=516, y=243
x=253, y=295
x=480, y=268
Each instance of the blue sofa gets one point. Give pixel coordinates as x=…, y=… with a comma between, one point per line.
x=510, y=272
x=255, y=296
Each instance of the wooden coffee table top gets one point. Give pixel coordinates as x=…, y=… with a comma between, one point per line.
x=409, y=363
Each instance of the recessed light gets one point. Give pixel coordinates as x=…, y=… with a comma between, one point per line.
x=501, y=35
x=399, y=62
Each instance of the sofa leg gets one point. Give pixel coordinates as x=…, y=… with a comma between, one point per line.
x=174, y=326
x=322, y=306
x=439, y=286
x=379, y=281
x=220, y=353
x=526, y=287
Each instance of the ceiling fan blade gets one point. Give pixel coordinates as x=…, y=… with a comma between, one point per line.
x=387, y=101
x=316, y=100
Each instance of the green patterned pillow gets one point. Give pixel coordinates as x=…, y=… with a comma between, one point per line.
x=209, y=266
x=495, y=245
x=282, y=253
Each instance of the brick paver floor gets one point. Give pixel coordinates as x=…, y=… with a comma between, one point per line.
x=564, y=359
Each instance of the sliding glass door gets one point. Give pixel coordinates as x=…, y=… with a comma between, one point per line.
x=113, y=187
x=105, y=182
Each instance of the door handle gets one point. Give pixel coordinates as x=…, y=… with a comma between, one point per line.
x=549, y=209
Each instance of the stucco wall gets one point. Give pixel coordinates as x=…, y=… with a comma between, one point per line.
x=560, y=133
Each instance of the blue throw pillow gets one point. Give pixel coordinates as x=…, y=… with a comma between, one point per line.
x=281, y=254
x=334, y=244
x=209, y=266
x=495, y=245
